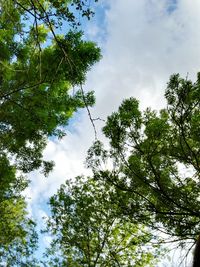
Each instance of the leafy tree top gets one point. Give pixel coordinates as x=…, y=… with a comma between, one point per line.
x=38, y=69
x=88, y=231
x=155, y=160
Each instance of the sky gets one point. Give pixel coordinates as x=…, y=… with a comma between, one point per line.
x=143, y=42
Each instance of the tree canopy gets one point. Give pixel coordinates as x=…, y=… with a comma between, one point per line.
x=154, y=160
x=18, y=238
x=146, y=180
x=38, y=69
x=43, y=56
x=88, y=231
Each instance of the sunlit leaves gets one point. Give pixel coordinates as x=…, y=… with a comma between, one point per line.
x=36, y=79
x=89, y=230
x=38, y=68
x=155, y=158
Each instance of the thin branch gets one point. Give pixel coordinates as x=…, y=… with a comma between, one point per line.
x=88, y=111
x=20, y=89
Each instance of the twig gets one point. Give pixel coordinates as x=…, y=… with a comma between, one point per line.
x=88, y=111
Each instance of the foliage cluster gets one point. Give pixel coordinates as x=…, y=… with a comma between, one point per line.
x=90, y=230
x=146, y=182
x=38, y=68
x=148, y=179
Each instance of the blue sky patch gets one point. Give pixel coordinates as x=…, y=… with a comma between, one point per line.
x=172, y=6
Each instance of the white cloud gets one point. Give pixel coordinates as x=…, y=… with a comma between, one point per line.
x=68, y=155
x=47, y=240
x=145, y=45
x=146, y=42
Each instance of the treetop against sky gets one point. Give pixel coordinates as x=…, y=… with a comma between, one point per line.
x=142, y=42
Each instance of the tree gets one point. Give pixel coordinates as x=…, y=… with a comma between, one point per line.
x=20, y=252
x=87, y=230
x=38, y=68
x=42, y=57
x=18, y=238
x=155, y=159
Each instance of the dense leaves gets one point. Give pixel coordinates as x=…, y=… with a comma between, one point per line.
x=154, y=158
x=88, y=230
x=147, y=181
x=18, y=238
x=38, y=68
x=36, y=75
x=36, y=99
x=19, y=252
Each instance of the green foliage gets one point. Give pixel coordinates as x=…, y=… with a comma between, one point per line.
x=38, y=69
x=36, y=75
x=88, y=230
x=154, y=160
x=18, y=238
x=36, y=99
x=19, y=252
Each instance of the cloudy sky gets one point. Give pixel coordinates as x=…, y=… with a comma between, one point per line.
x=143, y=42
